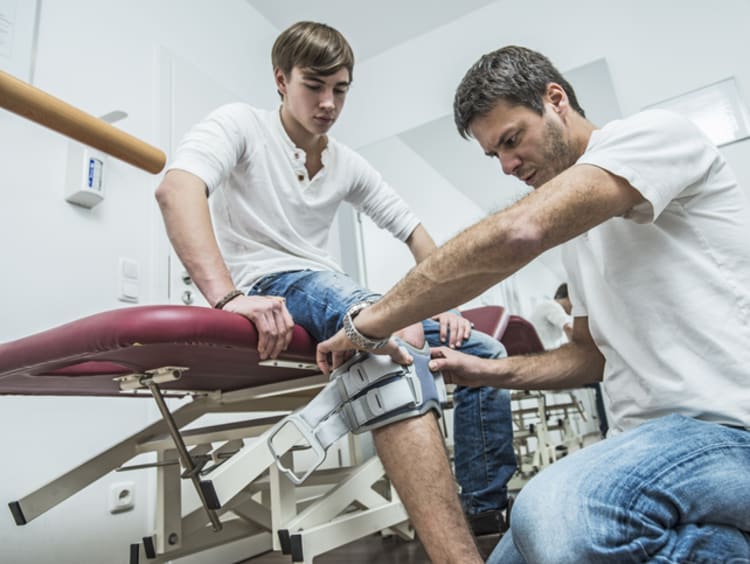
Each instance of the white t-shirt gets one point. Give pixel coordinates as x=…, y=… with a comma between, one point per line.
x=268, y=215
x=667, y=288
x=549, y=319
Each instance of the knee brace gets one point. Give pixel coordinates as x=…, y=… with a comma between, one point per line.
x=367, y=392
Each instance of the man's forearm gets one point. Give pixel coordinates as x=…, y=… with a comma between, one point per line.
x=570, y=366
x=449, y=276
x=486, y=253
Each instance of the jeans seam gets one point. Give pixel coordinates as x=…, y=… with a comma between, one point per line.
x=325, y=304
x=638, y=493
x=483, y=427
x=688, y=457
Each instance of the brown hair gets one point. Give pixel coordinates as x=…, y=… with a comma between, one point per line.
x=514, y=74
x=313, y=46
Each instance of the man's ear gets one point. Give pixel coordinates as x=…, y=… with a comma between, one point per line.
x=557, y=98
x=281, y=81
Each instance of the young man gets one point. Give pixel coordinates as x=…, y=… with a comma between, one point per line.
x=275, y=181
x=655, y=231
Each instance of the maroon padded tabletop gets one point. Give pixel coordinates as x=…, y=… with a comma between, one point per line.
x=491, y=320
x=516, y=333
x=83, y=357
x=520, y=337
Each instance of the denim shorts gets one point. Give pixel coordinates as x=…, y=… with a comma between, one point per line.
x=316, y=300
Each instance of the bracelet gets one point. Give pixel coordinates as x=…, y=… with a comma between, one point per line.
x=228, y=298
x=361, y=341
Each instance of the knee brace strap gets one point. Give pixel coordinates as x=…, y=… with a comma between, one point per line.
x=367, y=392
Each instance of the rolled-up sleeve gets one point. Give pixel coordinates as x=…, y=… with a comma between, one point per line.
x=374, y=197
x=212, y=148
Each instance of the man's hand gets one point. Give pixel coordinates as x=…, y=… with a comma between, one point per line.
x=459, y=368
x=340, y=348
x=454, y=329
x=272, y=320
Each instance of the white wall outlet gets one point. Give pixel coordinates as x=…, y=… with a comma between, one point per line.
x=121, y=497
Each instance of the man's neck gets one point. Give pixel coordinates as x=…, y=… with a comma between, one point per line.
x=309, y=142
x=582, y=131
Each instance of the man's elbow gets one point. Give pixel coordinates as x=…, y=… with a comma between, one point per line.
x=177, y=187
x=165, y=192
x=526, y=239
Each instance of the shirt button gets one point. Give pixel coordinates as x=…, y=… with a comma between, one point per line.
x=296, y=155
x=300, y=177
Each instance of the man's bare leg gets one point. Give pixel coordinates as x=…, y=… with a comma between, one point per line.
x=414, y=456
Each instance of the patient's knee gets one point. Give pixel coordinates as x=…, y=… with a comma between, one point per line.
x=412, y=428
x=413, y=334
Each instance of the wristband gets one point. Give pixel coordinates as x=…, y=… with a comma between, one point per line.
x=228, y=298
x=361, y=341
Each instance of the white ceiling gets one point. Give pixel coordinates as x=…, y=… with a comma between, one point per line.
x=370, y=27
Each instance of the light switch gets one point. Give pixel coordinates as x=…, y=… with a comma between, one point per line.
x=128, y=280
x=129, y=268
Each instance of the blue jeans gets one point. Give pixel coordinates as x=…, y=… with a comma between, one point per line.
x=675, y=489
x=483, y=432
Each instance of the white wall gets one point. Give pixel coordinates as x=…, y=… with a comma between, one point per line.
x=428, y=194
x=59, y=261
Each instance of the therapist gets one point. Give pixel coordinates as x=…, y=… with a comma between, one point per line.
x=654, y=228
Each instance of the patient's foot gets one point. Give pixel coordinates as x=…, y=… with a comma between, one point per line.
x=487, y=523
x=489, y=526
x=490, y=522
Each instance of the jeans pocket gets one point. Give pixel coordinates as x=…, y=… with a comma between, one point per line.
x=261, y=285
x=265, y=286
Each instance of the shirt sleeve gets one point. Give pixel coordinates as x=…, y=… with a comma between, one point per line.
x=213, y=147
x=660, y=153
x=373, y=196
x=575, y=295
x=557, y=316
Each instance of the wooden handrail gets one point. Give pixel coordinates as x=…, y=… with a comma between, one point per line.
x=36, y=105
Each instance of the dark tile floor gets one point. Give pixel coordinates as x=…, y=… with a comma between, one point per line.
x=374, y=550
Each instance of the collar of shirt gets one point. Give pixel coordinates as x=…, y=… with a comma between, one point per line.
x=298, y=156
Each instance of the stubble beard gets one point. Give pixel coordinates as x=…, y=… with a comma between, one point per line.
x=557, y=154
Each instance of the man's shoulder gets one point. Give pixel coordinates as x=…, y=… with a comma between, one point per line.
x=348, y=157
x=656, y=120
x=342, y=149
x=244, y=123
x=240, y=111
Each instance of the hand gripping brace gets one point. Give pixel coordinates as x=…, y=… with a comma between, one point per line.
x=367, y=392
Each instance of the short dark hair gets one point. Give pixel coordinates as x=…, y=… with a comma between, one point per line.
x=562, y=291
x=312, y=45
x=515, y=74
